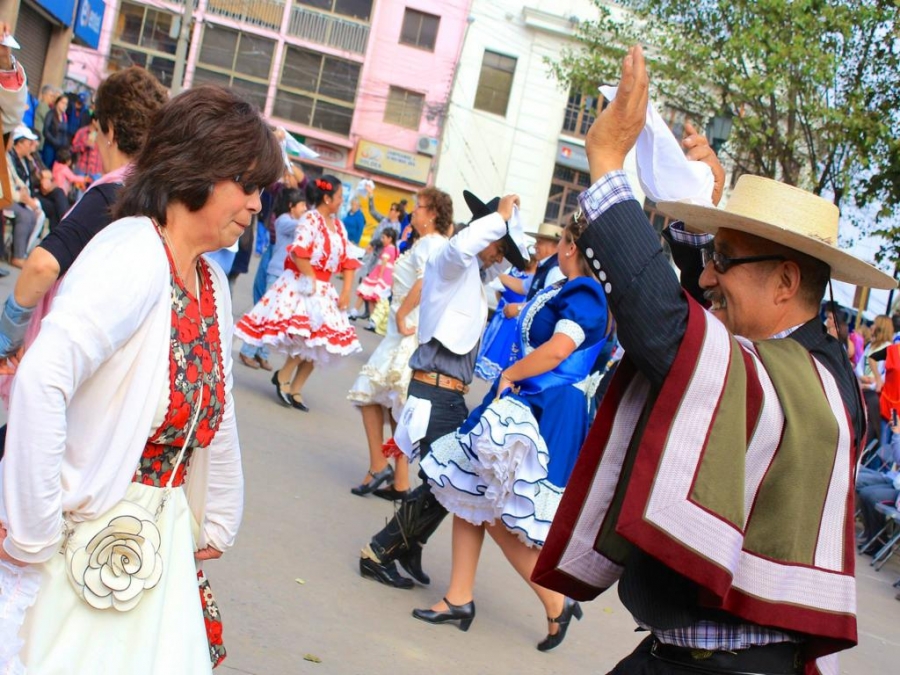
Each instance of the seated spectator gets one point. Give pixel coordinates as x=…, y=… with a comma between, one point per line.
x=873, y=488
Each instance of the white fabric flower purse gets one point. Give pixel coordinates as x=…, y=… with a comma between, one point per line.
x=112, y=560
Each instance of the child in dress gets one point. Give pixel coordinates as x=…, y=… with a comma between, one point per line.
x=66, y=179
x=377, y=284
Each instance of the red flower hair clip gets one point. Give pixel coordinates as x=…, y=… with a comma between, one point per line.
x=324, y=185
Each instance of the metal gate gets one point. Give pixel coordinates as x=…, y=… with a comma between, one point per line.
x=33, y=32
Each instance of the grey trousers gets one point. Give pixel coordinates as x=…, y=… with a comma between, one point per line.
x=24, y=226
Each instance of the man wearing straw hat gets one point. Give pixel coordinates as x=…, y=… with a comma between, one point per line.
x=716, y=484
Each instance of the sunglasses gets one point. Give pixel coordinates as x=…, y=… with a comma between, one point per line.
x=722, y=263
x=248, y=187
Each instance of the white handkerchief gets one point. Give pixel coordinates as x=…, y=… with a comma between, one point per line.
x=412, y=425
x=665, y=174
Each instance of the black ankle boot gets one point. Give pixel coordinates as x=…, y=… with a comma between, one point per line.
x=412, y=563
x=384, y=573
x=570, y=609
x=465, y=614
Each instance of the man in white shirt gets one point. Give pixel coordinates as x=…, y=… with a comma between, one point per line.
x=452, y=314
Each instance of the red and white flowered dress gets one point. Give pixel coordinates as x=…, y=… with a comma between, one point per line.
x=299, y=316
x=195, y=377
x=377, y=284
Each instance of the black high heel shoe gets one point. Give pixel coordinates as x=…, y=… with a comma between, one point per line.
x=361, y=490
x=570, y=609
x=465, y=614
x=283, y=396
x=298, y=404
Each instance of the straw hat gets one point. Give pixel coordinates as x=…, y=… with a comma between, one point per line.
x=785, y=215
x=549, y=231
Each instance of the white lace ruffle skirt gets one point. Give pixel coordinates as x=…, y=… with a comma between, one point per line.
x=497, y=471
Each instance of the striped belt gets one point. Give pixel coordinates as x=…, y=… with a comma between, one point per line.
x=441, y=381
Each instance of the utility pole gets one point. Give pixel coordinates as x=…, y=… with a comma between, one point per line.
x=181, y=47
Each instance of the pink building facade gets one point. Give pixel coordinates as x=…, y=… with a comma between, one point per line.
x=365, y=83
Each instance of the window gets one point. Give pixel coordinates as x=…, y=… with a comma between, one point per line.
x=357, y=9
x=317, y=90
x=235, y=59
x=419, y=29
x=565, y=187
x=404, y=108
x=581, y=111
x=495, y=83
x=145, y=37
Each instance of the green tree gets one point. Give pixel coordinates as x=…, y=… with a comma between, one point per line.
x=813, y=84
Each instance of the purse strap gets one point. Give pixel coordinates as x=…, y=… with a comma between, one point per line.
x=190, y=433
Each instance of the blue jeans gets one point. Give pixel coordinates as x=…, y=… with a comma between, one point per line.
x=252, y=351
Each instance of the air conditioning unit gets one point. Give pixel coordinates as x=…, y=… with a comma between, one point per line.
x=427, y=145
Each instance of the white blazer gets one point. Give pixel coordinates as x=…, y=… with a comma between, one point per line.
x=454, y=306
x=86, y=394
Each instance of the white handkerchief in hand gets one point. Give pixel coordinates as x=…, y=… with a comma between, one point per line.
x=665, y=174
x=412, y=425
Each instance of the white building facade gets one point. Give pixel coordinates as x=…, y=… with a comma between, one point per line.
x=511, y=126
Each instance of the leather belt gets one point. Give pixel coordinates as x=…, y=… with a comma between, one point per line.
x=782, y=658
x=441, y=381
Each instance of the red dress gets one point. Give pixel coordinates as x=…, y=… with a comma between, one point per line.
x=195, y=359
x=298, y=315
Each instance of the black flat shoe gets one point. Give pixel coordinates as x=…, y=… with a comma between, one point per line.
x=570, y=609
x=412, y=564
x=386, y=574
x=299, y=405
x=283, y=396
x=391, y=494
x=465, y=614
x=387, y=473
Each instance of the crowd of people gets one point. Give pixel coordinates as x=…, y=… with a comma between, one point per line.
x=694, y=485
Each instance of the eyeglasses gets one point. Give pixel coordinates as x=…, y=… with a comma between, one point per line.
x=422, y=205
x=722, y=263
x=248, y=188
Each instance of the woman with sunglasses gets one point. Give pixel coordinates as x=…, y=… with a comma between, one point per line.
x=504, y=471
x=122, y=469
x=302, y=314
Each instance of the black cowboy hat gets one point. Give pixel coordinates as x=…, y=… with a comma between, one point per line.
x=479, y=210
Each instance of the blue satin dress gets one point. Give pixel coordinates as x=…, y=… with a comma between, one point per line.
x=512, y=457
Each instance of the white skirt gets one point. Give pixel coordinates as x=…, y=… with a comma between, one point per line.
x=164, y=634
x=497, y=471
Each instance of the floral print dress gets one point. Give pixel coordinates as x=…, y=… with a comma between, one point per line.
x=195, y=376
x=299, y=315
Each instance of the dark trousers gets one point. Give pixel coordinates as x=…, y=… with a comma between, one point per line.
x=420, y=514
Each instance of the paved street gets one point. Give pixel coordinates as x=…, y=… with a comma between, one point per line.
x=302, y=523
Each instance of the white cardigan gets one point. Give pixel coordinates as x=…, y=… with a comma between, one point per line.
x=85, y=396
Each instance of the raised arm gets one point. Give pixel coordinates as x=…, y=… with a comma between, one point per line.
x=621, y=245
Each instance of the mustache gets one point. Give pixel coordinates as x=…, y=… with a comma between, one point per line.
x=712, y=297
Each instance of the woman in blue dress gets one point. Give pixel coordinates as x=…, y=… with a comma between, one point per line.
x=500, y=334
x=503, y=472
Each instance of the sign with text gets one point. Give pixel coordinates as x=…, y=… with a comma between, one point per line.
x=390, y=161
x=332, y=155
x=88, y=21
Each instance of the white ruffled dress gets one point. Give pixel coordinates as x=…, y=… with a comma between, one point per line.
x=385, y=377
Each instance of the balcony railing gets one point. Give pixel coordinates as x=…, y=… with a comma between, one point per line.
x=263, y=13
x=327, y=29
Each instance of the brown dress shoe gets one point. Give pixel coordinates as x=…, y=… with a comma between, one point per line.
x=263, y=363
x=250, y=363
